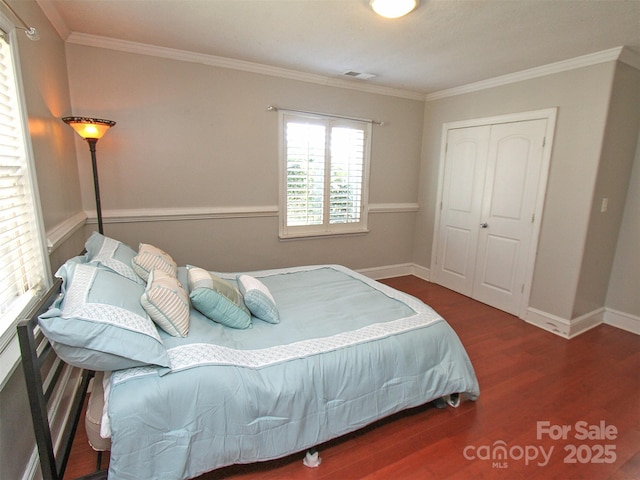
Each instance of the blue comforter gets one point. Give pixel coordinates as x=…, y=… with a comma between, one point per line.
x=347, y=352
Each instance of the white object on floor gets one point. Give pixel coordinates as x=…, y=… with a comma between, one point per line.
x=312, y=460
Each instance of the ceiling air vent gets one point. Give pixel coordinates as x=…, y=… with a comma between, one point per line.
x=360, y=75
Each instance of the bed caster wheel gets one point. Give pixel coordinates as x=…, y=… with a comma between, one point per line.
x=453, y=400
x=312, y=459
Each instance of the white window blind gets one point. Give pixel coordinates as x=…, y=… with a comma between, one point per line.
x=22, y=264
x=325, y=164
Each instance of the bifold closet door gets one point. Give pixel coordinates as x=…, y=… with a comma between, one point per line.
x=508, y=206
x=463, y=186
x=490, y=188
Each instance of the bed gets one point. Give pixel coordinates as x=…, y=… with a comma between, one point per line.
x=246, y=366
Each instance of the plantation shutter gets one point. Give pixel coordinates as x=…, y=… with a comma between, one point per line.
x=325, y=164
x=305, y=173
x=347, y=171
x=22, y=271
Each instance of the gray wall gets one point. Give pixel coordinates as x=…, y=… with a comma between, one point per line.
x=46, y=86
x=196, y=136
x=624, y=283
x=614, y=170
x=583, y=99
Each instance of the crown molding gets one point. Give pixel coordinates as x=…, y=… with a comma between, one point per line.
x=223, y=62
x=618, y=53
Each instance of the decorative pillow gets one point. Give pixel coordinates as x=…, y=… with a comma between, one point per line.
x=167, y=303
x=217, y=299
x=100, y=314
x=112, y=254
x=258, y=299
x=150, y=258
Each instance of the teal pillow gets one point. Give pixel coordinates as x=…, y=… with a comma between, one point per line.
x=99, y=323
x=258, y=299
x=217, y=299
x=113, y=255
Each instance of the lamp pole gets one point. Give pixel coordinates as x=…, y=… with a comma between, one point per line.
x=96, y=186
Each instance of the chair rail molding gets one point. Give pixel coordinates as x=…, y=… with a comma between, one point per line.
x=132, y=215
x=63, y=230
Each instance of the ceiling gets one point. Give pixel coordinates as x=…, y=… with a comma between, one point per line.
x=441, y=45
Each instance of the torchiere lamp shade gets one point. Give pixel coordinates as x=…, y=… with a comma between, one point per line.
x=87, y=128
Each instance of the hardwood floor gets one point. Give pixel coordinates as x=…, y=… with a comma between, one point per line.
x=589, y=386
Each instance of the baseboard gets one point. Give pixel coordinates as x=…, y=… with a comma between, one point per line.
x=586, y=322
x=563, y=327
x=32, y=472
x=388, y=271
x=400, y=270
x=624, y=321
x=421, y=272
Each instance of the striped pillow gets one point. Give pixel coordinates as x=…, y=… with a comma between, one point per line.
x=150, y=258
x=167, y=303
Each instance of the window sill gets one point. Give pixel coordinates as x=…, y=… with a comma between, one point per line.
x=312, y=235
x=9, y=344
x=9, y=360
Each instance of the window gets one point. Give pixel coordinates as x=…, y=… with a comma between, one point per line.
x=325, y=163
x=23, y=270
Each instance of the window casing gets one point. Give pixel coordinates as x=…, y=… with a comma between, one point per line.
x=24, y=270
x=324, y=175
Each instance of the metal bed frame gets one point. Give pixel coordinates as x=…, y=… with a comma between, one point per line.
x=42, y=372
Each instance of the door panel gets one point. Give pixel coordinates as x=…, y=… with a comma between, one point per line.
x=509, y=199
x=509, y=178
x=456, y=253
x=463, y=182
x=501, y=255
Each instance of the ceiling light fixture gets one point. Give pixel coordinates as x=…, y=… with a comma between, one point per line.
x=393, y=8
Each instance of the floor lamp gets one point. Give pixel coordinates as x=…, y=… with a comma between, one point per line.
x=92, y=130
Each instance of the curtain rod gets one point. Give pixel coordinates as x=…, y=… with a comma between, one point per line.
x=31, y=32
x=272, y=108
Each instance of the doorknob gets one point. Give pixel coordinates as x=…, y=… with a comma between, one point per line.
x=484, y=225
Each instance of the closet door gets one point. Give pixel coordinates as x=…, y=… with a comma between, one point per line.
x=489, y=197
x=507, y=213
x=463, y=184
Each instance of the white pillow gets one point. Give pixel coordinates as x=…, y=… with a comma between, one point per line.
x=258, y=299
x=150, y=258
x=167, y=303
